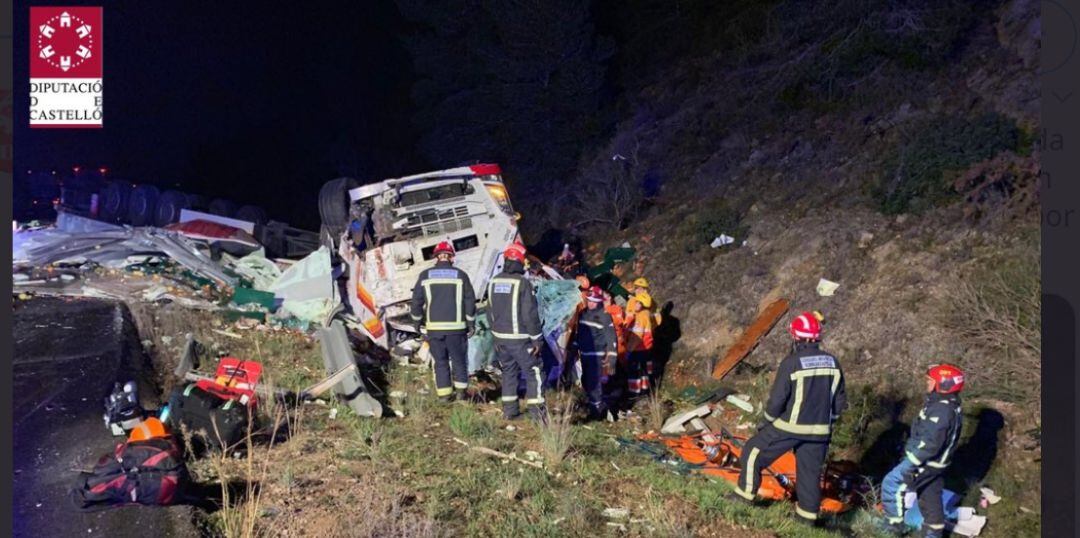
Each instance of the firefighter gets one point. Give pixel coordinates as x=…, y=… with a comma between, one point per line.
x=806, y=398
x=617, y=317
x=597, y=344
x=444, y=307
x=639, y=338
x=515, y=327
x=928, y=452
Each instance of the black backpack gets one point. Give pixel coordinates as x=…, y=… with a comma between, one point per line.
x=213, y=422
x=148, y=472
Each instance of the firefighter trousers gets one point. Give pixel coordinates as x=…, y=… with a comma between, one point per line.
x=770, y=443
x=926, y=482
x=450, y=352
x=592, y=369
x=639, y=367
x=515, y=358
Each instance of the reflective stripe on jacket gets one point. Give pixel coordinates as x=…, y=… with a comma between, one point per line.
x=512, y=311
x=935, y=432
x=808, y=394
x=639, y=321
x=443, y=300
x=596, y=334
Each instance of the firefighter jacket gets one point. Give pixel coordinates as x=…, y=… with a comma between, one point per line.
x=808, y=394
x=512, y=312
x=936, y=431
x=639, y=320
x=443, y=300
x=596, y=335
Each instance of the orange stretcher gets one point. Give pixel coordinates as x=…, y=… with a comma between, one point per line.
x=717, y=454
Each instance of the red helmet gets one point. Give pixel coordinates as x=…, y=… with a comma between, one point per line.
x=947, y=378
x=805, y=326
x=444, y=247
x=596, y=295
x=516, y=251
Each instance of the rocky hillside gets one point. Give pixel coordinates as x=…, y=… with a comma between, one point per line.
x=892, y=149
x=902, y=166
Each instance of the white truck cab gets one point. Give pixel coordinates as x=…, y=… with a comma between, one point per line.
x=394, y=225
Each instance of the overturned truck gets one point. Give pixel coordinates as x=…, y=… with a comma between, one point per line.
x=384, y=234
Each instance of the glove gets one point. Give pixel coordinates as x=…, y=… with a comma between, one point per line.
x=470, y=331
x=534, y=350
x=763, y=424
x=911, y=476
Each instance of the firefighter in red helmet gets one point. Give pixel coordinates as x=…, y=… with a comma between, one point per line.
x=514, y=318
x=806, y=398
x=928, y=452
x=444, y=308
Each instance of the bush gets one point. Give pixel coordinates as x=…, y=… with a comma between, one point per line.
x=916, y=174
x=997, y=310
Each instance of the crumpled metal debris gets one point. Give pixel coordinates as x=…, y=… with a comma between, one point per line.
x=110, y=244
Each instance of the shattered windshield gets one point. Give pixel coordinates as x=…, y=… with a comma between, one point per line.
x=434, y=194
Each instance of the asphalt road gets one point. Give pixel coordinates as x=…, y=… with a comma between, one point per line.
x=68, y=353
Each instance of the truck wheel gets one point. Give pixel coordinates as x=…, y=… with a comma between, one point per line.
x=168, y=208
x=142, y=204
x=334, y=203
x=222, y=207
x=113, y=205
x=252, y=213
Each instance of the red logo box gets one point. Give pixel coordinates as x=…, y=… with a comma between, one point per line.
x=65, y=66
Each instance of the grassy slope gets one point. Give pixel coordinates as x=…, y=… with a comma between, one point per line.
x=407, y=476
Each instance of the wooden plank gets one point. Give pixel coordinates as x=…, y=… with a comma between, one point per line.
x=750, y=337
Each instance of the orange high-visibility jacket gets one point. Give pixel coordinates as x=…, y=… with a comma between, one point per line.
x=640, y=322
x=617, y=317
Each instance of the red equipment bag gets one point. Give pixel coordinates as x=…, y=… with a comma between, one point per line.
x=149, y=472
x=234, y=380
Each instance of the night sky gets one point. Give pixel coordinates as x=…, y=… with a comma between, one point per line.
x=258, y=102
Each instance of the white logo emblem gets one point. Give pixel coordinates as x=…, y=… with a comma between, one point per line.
x=76, y=46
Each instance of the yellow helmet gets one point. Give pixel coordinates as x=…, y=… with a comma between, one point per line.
x=641, y=282
x=644, y=299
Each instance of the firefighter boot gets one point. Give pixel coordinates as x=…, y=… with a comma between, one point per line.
x=511, y=408
x=892, y=529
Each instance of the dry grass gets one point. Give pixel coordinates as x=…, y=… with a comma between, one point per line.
x=655, y=412
x=511, y=487
x=667, y=521
x=557, y=437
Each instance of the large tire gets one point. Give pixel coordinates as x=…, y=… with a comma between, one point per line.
x=142, y=204
x=113, y=203
x=334, y=203
x=168, y=208
x=253, y=214
x=222, y=207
